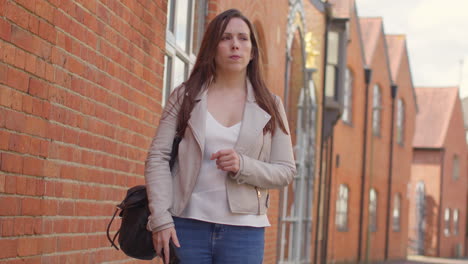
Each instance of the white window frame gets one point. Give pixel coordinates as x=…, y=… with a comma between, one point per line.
x=400, y=121
x=341, y=217
x=186, y=55
x=396, y=213
x=456, y=167
x=376, y=110
x=347, y=116
x=373, y=203
x=456, y=221
x=447, y=221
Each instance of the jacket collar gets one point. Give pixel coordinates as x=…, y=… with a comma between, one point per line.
x=254, y=120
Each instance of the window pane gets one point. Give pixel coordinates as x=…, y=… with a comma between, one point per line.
x=333, y=44
x=170, y=15
x=167, y=77
x=347, y=96
x=182, y=23
x=198, y=25
x=331, y=76
x=179, y=72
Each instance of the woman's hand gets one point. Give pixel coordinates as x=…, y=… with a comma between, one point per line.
x=161, y=241
x=227, y=160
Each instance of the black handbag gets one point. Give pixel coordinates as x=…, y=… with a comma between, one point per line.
x=134, y=239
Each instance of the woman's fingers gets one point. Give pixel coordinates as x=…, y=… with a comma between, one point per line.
x=175, y=239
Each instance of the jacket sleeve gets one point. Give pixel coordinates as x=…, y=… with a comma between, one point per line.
x=157, y=173
x=281, y=167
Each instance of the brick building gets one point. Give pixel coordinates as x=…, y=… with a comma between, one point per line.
x=438, y=194
x=370, y=206
x=82, y=86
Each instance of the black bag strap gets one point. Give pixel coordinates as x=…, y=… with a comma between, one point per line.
x=112, y=241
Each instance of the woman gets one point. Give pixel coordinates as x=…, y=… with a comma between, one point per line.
x=235, y=146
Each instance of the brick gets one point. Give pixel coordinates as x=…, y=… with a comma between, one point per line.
x=10, y=184
x=19, y=143
x=30, y=63
x=33, y=166
x=5, y=30
x=8, y=247
x=17, y=14
x=8, y=56
x=38, y=88
x=45, y=10
x=28, y=4
x=21, y=185
x=31, y=206
x=6, y=227
x=10, y=206
x=17, y=79
x=2, y=185
x=15, y=121
x=6, y=96
x=47, y=32
x=12, y=163
x=16, y=100
x=36, y=126
x=51, y=169
x=20, y=59
x=27, y=104
x=28, y=246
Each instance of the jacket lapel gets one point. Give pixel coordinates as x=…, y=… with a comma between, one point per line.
x=198, y=119
x=253, y=121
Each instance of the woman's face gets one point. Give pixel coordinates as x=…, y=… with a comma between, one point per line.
x=234, y=50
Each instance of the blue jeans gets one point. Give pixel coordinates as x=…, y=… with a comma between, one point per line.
x=208, y=243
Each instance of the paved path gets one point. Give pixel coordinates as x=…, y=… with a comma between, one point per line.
x=428, y=260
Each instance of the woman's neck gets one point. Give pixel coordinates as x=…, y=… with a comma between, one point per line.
x=230, y=82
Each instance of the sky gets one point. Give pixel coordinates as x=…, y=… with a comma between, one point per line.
x=436, y=33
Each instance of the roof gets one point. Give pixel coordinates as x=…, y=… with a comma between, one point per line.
x=370, y=30
x=341, y=8
x=395, y=48
x=436, y=105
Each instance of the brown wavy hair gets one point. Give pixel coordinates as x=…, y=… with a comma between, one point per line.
x=204, y=72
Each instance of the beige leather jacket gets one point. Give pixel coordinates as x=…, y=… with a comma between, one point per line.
x=266, y=161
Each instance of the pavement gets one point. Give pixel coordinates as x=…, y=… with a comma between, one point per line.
x=424, y=260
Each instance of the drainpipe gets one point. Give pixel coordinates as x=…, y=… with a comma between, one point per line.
x=390, y=174
x=367, y=76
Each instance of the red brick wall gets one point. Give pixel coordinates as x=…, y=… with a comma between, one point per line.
x=378, y=151
x=348, y=144
x=80, y=89
x=402, y=157
x=454, y=191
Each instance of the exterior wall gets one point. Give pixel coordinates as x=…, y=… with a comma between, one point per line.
x=80, y=89
x=378, y=151
x=402, y=159
x=426, y=168
x=348, y=146
x=454, y=191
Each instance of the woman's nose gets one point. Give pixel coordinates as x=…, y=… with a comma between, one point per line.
x=235, y=44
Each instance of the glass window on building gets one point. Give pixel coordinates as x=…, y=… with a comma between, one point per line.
x=456, y=167
x=372, y=210
x=396, y=212
x=342, y=208
x=447, y=222
x=455, y=222
x=376, y=110
x=400, y=121
x=185, y=28
x=348, y=97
